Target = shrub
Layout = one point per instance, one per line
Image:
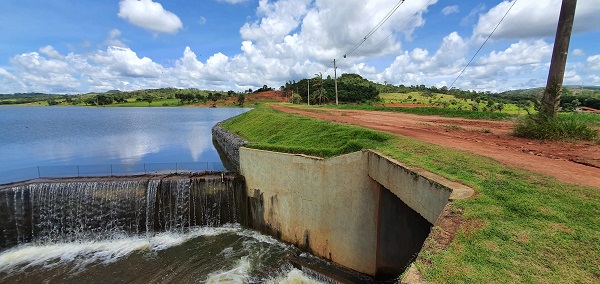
(564, 127)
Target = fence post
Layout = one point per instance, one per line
(111, 174)
(77, 170)
(176, 164)
(145, 169)
(39, 175)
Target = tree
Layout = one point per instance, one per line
(148, 99)
(52, 102)
(240, 99)
(104, 100)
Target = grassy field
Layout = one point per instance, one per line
(447, 112)
(452, 102)
(520, 227)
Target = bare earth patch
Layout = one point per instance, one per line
(577, 163)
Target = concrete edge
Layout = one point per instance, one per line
(413, 276)
(457, 190)
(289, 154)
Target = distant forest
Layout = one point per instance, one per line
(352, 88)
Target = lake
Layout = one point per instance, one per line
(64, 136)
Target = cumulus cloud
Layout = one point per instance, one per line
(448, 10)
(535, 19)
(522, 52)
(593, 62)
(150, 16)
(293, 39)
(279, 19)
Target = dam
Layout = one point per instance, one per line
(363, 212)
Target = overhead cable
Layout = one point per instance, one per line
(370, 33)
(486, 40)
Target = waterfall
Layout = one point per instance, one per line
(70, 211)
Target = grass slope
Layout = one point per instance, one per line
(519, 227)
(272, 130)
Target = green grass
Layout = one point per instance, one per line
(447, 112)
(454, 103)
(271, 130)
(568, 126)
(519, 227)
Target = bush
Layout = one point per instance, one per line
(564, 127)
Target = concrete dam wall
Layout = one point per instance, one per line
(361, 210)
(364, 211)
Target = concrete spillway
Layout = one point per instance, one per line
(93, 209)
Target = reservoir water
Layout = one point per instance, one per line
(198, 253)
(56, 136)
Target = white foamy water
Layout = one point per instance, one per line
(240, 253)
(106, 251)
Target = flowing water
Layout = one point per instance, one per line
(159, 230)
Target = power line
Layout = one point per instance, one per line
(370, 33)
(395, 30)
(399, 27)
(486, 40)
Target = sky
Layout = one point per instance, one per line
(69, 47)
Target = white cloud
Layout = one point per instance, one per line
(535, 19)
(448, 10)
(593, 62)
(113, 38)
(293, 39)
(279, 19)
(149, 15)
(578, 52)
(202, 20)
(125, 62)
(50, 52)
(522, 52)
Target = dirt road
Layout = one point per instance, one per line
(577, 163)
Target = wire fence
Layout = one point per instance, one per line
(108, 170)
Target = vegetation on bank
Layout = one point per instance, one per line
(269, 129)
(566, 126)
(519, 227)
(152, 97)
(449, 112)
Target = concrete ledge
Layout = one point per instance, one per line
(230, 144)
(425, 192)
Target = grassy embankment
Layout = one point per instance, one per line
(519, 227)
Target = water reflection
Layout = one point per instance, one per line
(34, 136)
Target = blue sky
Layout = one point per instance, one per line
(84, 46)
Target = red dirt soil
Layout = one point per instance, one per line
(577, 163)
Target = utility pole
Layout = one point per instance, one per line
(335, 80)
(556, 74)
(308, 95)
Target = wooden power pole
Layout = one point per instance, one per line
(551, 99)
(335, 80)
